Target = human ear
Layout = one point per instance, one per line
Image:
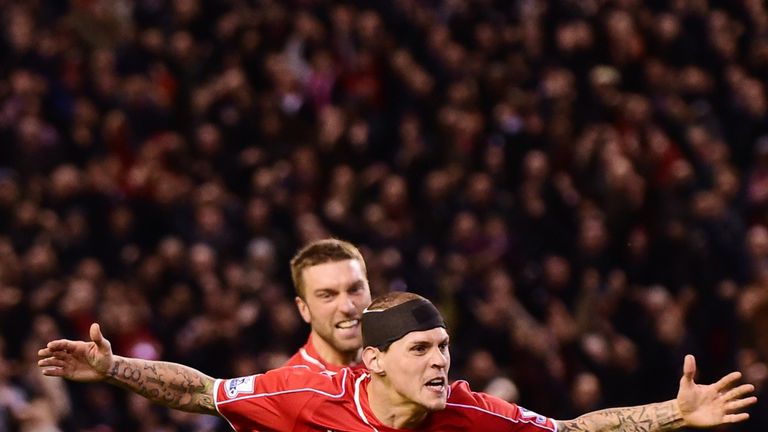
(372, 358)
(303, 310)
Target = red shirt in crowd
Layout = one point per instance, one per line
(298, 399)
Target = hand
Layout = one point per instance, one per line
(714, 404)
(77, 360)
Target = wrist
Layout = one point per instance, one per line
(112, 368)
(678, 419)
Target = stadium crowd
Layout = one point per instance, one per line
(580, 185)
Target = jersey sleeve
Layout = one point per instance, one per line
(271, 401)
(510, 417)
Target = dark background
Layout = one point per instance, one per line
(581, 186)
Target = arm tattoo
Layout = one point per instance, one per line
(658, 417)
(170, 384)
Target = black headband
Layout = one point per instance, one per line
(382, 327)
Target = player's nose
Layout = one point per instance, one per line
(346, 305)
(439, 358)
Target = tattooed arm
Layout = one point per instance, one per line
(658, 417)
(697, 405)
(170, 384)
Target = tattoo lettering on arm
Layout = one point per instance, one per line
(658, 417)
(170, 384)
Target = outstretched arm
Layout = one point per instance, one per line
(658, 417)
(697, 405)
(170, 384)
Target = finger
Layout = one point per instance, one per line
(738, 405)
(726, 381)
(735, 418)
(739, 391)
(98, 338)
(51, 361)
(62, 345)
(95, 333)
(689, 369)
(45, 352)
(61, 355)
(53, 371)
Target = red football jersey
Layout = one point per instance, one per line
(308, 356)
(298, 399)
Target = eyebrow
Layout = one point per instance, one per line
(326, 291)
(337, 287)
(426, 342)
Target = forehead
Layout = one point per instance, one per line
(433, 336)
(332, 274)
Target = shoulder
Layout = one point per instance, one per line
(288, 380)
(302, 358)
(304, 378)
(484, 409)
(306, 356)
(280, 398)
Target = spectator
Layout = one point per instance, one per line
(597, 168)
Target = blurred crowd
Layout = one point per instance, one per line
(580, 185)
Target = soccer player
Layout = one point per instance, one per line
(406, 387)
(331, 292)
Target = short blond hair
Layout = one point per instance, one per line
(321, 252)
(393, 299)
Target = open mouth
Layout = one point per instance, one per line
(436, 385)
(348, 324)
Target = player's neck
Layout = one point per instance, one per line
(330, 355)
(393, 410)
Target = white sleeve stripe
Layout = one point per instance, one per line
(533, 423)
(284, 392)
(216, 385)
